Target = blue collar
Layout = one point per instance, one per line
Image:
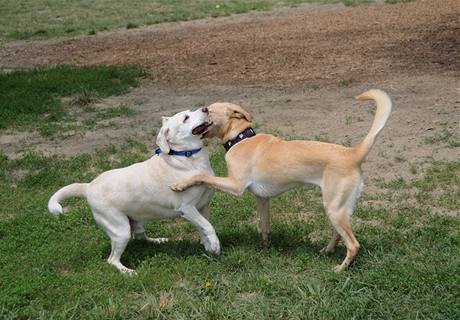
(249, 132)
(172, 152)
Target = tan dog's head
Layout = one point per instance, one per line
(227, 120)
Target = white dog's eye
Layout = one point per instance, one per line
(186, 118)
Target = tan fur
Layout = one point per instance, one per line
(268, 166)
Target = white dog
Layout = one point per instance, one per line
(123, 199)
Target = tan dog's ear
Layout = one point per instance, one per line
(239, 113)
(162, 138)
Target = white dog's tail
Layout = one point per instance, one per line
(72, 190)
(383, 102)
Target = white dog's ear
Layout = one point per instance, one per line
(162, 139)
(164, 120)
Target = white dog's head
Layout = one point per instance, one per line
(183, 130)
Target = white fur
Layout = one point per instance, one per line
(123, 199)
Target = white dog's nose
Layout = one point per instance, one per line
(205, 110)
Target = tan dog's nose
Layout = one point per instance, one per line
(205, 110)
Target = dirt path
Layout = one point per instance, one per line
(296, 70)
(329, 45)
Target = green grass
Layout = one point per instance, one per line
(55, 268)
(34, 98)
(25, 19)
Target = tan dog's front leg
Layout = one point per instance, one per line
(263, 207)
(226, 184)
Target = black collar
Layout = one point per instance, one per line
(249, 132)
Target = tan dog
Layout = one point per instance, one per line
(269, 166)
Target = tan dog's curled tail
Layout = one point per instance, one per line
(72, 190)
(384, 104)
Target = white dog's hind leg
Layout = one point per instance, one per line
(207, 232)
(205, 212)
(117, 227)
(138, 232)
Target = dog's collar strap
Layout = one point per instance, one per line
(171, 152)
(249, 132)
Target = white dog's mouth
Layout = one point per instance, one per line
(202, 128)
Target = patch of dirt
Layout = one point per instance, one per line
(296, 71)
(308, 45)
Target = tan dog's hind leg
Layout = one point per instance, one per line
(330, 248)
(341, 222)
(263, 208)
(339, 197)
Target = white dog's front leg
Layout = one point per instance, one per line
(207, 232)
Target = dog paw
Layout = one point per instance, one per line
(339, 268)
(212, 245)
(157, 240)
(263, 245)
(178, 187)
(327, 250)
(129, 272)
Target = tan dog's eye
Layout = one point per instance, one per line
(186, 118)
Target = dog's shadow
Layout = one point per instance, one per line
(283, 243)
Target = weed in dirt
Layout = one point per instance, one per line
(348, 120)
(345, 83)
(131, 25)
(48, 129)
(84, 98)
(355, 2)
(91, 120)
(55, 267)
(311, 86)
(29, 98)
(323, 137)
(113, 112)
(397, 1)
(446, 137)
(347, 142)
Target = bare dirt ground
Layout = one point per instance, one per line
(296, 70)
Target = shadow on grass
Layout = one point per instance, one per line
(246, 238)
